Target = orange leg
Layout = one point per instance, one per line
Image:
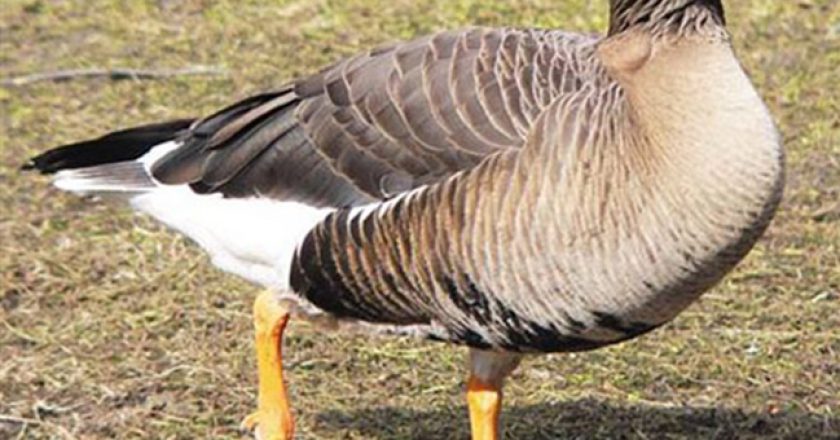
(485, 404)
(273, 419)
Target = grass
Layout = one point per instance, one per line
(111, 327)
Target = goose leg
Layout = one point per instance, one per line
(488, 371)
(273, 418)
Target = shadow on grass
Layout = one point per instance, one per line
(585, 419)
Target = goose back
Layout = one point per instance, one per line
(383, 122)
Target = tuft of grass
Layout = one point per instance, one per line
(111, 327)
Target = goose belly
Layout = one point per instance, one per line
(615, 285)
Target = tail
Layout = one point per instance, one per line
(117, 162)
(240, 234)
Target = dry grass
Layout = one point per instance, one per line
(111, 327)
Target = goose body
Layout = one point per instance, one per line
(516, 191)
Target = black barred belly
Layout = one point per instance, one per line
(514, 332)
(315, 277)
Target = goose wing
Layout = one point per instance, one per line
(380, 123)
(479, 258)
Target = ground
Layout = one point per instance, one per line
(112, 327)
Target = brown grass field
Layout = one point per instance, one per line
(112, 327)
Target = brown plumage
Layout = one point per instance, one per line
(637, 188)
(513, 190)
(544, 191)
(380, 123)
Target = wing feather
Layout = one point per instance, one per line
(382, 122)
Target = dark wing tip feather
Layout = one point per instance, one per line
(118, 146)
(214, 134)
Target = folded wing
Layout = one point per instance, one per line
(381, 123)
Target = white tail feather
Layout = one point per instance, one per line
(129, 177)
(120, 177)
(254, 238)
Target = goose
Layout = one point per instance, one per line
(515, 191)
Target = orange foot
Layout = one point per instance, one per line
(485, 402)
(273, 418)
